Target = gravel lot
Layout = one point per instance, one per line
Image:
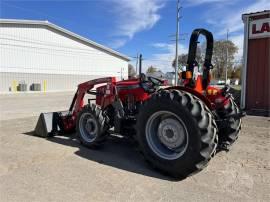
(59, 169)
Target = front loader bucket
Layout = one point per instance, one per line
(48, 124)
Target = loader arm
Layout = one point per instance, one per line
(65, 121)
(76, 103)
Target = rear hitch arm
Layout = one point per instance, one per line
(234, 116)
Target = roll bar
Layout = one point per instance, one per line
(193, 48)
(191, 62)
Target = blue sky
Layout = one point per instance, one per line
(139, 26)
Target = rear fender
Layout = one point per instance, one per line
(206, 101)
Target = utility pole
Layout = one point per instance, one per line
(176, 41)
(137, 58)
(140, 67)
(227, 55)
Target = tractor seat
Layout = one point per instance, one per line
(146, 85)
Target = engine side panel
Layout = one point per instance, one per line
(133, 87)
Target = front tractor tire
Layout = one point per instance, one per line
(91, 126)
(176, 132)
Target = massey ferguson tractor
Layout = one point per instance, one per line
(178, 129)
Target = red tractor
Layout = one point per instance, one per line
(178, 128)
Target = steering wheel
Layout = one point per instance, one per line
(155, 81)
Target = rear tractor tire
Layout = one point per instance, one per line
(91, 126)
(229, 132)
(177, 133)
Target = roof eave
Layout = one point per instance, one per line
(246, 15)
(51, 25)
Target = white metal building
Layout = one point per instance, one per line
(41, 52)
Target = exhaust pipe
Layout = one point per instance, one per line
(140, 67)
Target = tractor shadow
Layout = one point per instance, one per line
(121, 153)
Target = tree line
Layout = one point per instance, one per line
(219, 60)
